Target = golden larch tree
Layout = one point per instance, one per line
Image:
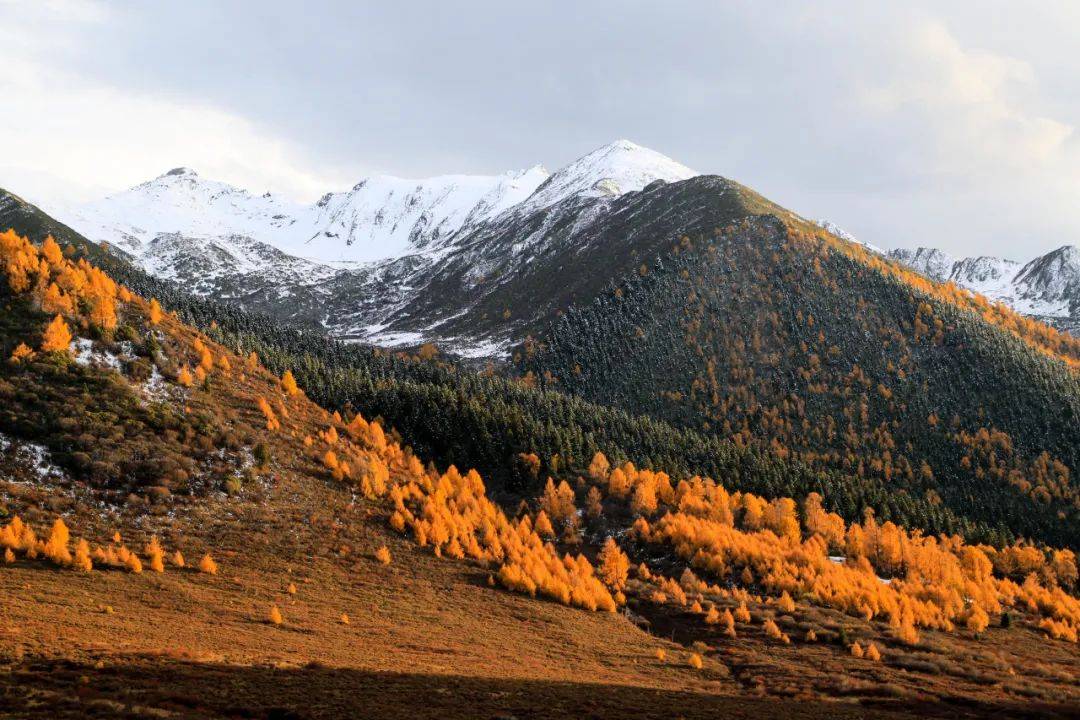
(288, 383)
(57, 337)
(614, 565)
(156, 313)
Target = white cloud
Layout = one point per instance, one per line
(67, 138)
(979, 107)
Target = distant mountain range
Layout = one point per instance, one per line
(1047, 288)
(361, 263)
(473, 263)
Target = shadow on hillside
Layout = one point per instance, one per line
(156, 686)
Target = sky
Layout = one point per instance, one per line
(946, 123)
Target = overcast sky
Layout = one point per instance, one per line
(934, 123)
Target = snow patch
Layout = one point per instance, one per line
(33, 455)
(88, 356)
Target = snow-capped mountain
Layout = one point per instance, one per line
(610, 171)
(380, 217)
(1047, 287)
(474, 263)
(357, 261)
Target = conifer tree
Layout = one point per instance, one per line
(155, 555)
(207, 565)
(57, 337)
(614, 565)
(288, 384)
(155, 314)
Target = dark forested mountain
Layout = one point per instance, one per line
(820, 351)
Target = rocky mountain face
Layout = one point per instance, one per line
(392, 261)
(473, 263)
(1046, 288)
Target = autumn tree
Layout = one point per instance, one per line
(614, 565)
(52, 253)
(594, 505)
(56, 547)
(599, 467)
(207, 565)
(57, 337)
(22, 352)
(82, 560)
(155, 555)
(542, 526)
(155, 314)
(288, 384)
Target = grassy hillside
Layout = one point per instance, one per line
(328, 571)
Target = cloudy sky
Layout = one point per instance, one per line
(942, 123)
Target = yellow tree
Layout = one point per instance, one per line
(599, 467)
(57, 337)
(22, 352)
(155, 312)
(52, 252)
(288, 384)
(614, 565)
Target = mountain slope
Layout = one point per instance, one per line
(481, 422)
(449, 259)
(813, 348)
(351, 579)
(361, 263)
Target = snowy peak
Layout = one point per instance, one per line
(1053, 277)
(384, 216)
(614, 169)
(983, 270)
(931, 262)
(380, 218)
(180, 171)
(1048, 287)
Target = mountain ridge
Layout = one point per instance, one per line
(364, 263)
(1046, 287)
